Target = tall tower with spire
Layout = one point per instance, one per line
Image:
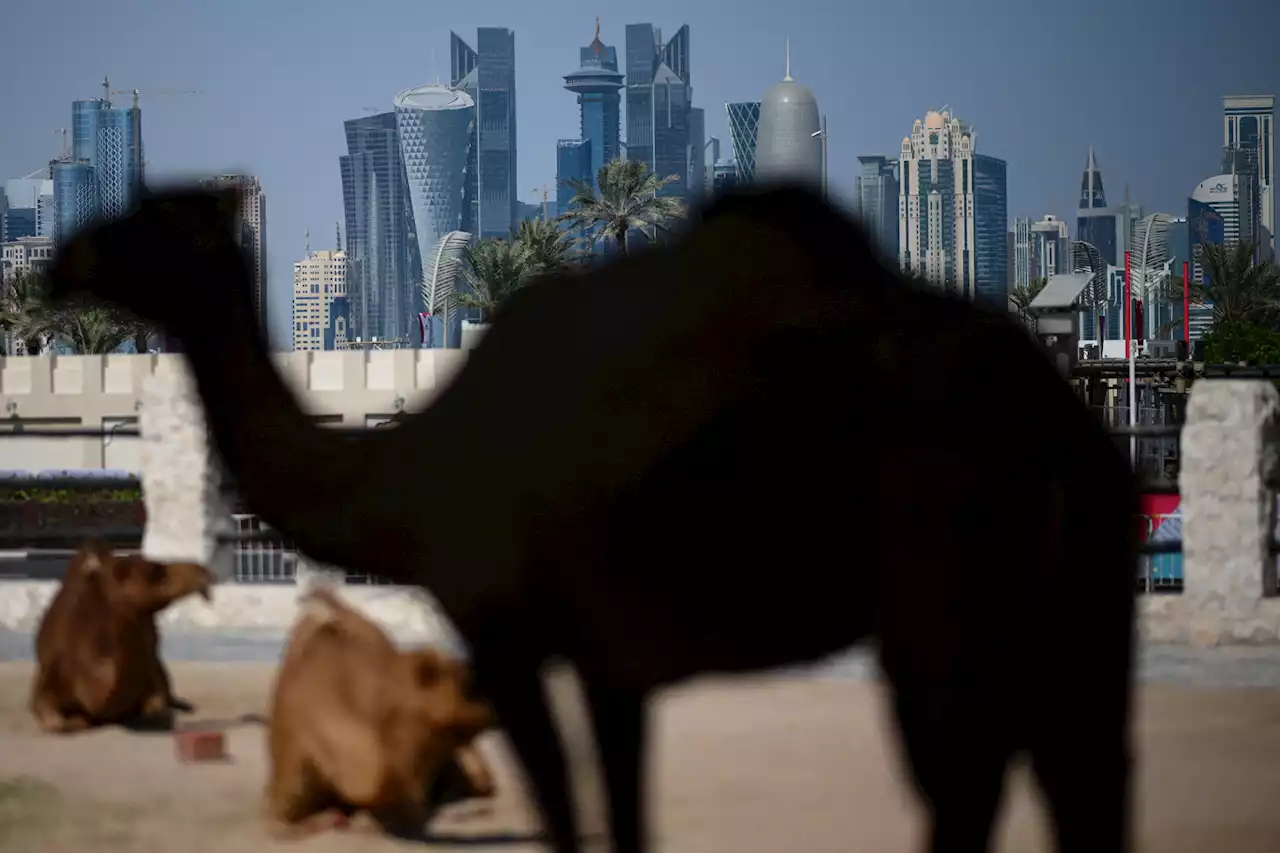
(1103, 227)
(598, 85)
(787, 149)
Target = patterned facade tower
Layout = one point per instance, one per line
(181, 481)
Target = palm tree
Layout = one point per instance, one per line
(627, 198)
(493, 269)
(91, 329)
(1241, 290)
(1022, 295)
(544, 245)
(25, 312)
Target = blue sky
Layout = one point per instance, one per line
(1141, 80)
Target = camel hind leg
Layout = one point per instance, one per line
(53, 714)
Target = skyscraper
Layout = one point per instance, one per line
(598, 84)
(990, 222)
(381, 247)
(786, 147)
(104, 173)
(876, 200)
(744, 125)
(435, 125)
(1050, 248)
(953, 227)
(1248, 123)
(1103, 227)
(573, 163)
(252, 232)
(659, 99)
(1213, 216)
(319, 301)
(488, 75)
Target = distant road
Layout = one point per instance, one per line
(23, 565)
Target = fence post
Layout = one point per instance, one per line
(1227, 478)
(180, 480)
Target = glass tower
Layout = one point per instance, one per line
(744, 123)
(876, 197)
(488, 75)
(598, 84)
(990, 227)
(106, 151)
(435, 125)
(381, 247)
(659, 98)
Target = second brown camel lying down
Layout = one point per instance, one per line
(360, 729)
(97, 647)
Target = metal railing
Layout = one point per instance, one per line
(264, 556)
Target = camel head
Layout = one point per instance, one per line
(158, 261)
(138, 585)
(437, 689)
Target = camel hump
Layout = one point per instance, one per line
(93, 556)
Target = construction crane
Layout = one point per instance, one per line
(546, 196)
(107, 92)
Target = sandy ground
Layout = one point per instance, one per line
(775, 763)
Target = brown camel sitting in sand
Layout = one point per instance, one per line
(360, 728)
(750, 447)
(98, 649)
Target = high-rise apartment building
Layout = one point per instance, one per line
(952, 227)
(1248, 124)
(320, 301)
(573, 163)
(659, 101)
(744, 126)
(382, 250)
(876, 200)
(598, 84)
(251, 231)
(487, 74)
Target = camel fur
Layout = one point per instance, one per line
(359, 727)
(98, 647)
(750, 447)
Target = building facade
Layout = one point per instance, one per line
(659, 99)
(251, 231)
(937, 225)
(1213, 216)
(104, 172)
(1248, 124)
(488, 75)
(320, 301)
(573, 163)
(381, 246)
(787, 149)
(1050, 248)
(876, 199)
(436, 125)
(990, 223)
(1108, 228)
(598, 84)
(744, 128)
(25, 255)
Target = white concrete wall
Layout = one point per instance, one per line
(353, 387)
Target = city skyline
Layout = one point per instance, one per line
(280, 118)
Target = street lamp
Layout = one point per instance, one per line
(822, 133)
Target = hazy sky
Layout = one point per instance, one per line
(1141, 80)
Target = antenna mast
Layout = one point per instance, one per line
(787, 79)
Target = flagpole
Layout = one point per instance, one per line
(1130, 353)
(1186, 306)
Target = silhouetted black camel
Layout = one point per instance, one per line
(750, 448)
